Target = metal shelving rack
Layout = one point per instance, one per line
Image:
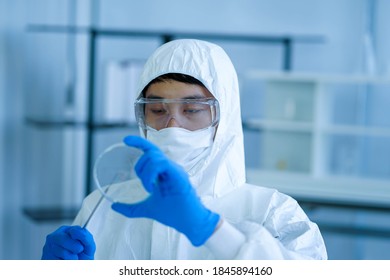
(286, 41)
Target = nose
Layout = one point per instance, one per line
(173, 123)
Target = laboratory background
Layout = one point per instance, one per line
(315, 100)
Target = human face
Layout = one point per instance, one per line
(176, 104)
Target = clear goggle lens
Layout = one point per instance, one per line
(191, 114)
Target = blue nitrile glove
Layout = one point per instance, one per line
(172, 201)
(69, 243)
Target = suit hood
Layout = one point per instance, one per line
(224, 169)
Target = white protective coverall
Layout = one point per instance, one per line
(259, 223)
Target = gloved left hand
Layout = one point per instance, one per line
(172, 201)
(69, 243)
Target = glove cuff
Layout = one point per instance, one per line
(204, 230)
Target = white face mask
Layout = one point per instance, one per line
(185, 147)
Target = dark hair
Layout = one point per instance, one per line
(183, 78)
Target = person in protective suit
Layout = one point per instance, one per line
(199, 204)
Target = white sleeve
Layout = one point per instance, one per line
(225, 234)
(281, 231)
(255, 244)
(252, 241)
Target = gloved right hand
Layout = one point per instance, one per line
(69, 243)
(172, 201)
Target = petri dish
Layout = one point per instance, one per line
(114, 175)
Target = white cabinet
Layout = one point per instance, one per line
(322, 135)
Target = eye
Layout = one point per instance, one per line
(194, 109)
(156, 109)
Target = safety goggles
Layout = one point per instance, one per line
(191, 114)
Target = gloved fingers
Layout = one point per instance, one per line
(47, 253)
(84, 237)
(140, 143)
(148, 168)
(154, 167)
(167, 185)
(83, 256)
(137, 210)
(61, 253)
(150, 158)
(62, 239)
(162, 174)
